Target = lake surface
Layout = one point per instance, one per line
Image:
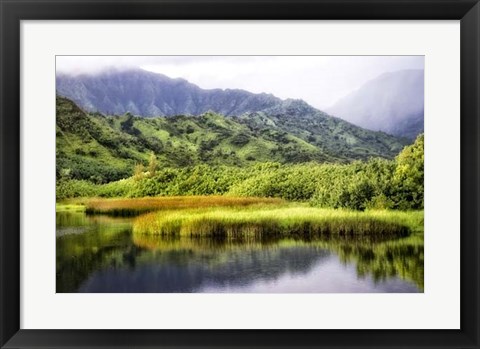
(101, 254)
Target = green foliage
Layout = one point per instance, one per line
(127, 126)
(376, 183)
(75, 188)
(138, 172)
(240, 139)
(152, 164)
(408, 179)
(359, 185)
(106, 148)
(214, 155)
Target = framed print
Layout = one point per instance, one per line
(239, 174)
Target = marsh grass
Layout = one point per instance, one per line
(288, 221)
(137, 206)
(62, 207)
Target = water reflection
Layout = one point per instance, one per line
(100, 254)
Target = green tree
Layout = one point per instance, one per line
(138, 172)
(408, 179)
(65, 173)
(152, 164)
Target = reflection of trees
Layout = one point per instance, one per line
(382, 260)
(188, 270)
(85, 244)
(68, 220)
(78, 255)
(173, 265)
(77, 222)
(177, 266)
(108, 258)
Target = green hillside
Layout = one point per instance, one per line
(106, 148)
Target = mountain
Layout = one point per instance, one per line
(340, 140)
(105, 148)
(150, 94)
(392, 102)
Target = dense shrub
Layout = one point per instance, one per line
(376, 183)
(75, 188)
(408, 180)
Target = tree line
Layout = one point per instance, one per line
(376, 183)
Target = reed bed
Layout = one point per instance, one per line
(137, 206)
(282, 222)
(59, 207)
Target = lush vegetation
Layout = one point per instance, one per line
(127, 156)
(287, 177)
(377, 183)
(101, 149)
(287, 221)
(133, 207)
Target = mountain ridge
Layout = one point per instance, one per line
(150, 94)
(105, 148)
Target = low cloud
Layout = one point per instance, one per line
(319, 80)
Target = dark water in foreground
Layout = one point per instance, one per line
(101, 254)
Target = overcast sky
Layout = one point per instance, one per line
(319, 80)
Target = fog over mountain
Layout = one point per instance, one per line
(393, 103)
(151, 94)
(318, 80)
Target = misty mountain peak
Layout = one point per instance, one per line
(393, 102)
(149, 94)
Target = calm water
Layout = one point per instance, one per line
(100, 254)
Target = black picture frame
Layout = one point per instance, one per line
(14, 11)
